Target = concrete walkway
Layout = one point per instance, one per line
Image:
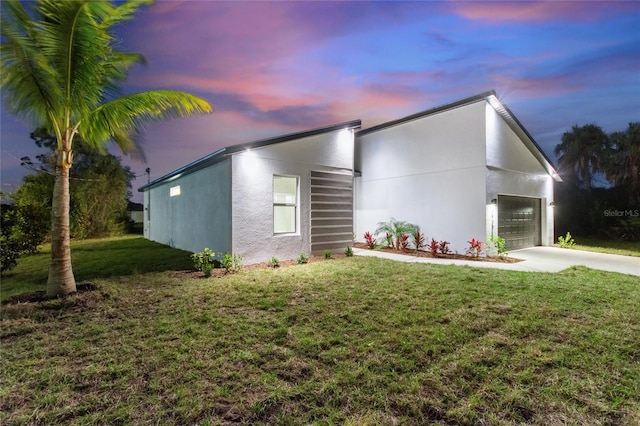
(535, 259)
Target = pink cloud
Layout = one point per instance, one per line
(535, 11)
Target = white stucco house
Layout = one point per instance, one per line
(275, 197)
(464, 170)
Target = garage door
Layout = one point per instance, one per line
(519, 221)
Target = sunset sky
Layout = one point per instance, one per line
(271, 68)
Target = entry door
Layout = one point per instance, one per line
(519, 221)
(331, 211)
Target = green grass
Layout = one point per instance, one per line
(351, 341)
(626, 248)
(96, 258)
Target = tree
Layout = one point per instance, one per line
(622, 168)
(61, 70)
(580, 153)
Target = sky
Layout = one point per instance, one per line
(272, 68)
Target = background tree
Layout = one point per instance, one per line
(61, 70)
(99, 188)
(580, 154)
(622, 167)
(587, 152)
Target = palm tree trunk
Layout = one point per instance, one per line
(61, 281)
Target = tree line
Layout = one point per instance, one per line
(600, 193)
(99, 190)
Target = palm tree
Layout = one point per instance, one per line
(61, 70)
(581, 152)
(623, 167)
(394, 230)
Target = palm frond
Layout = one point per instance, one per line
(128, 114)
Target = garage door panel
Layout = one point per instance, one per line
(519, 221)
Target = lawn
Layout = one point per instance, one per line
(351, 341)
(623, 247)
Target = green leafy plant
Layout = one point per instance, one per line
(232, 263)
(327, 254)
(204, 261)
(302, 258)
(475, 248)
(567, 241)
(370, 240)
(500, 244)
(348, 252)
(394, 229)
(273, 262)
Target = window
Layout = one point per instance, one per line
(174, 191)
(285, 204)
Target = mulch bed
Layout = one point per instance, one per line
(423, 253)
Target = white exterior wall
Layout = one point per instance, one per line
(430, 171)
(252, 188)
(513, 170)
(197, 218)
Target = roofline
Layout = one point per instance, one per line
(499, 106)
(223, 153)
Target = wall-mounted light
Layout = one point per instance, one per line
(494, 201)
(552, 204)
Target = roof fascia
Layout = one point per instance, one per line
(223, 153)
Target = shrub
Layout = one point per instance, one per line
(394, 229)
(348, 252)
(370, 240)
(567, 241)
(232, 263)
(475, 248)
(204, 261)
(403, 242)
(273, 262)
(500, 244)
(22, 229)
(418, 239)
(433, 247)
(443, 247)
(327, 254)
(388, 238)
(303, 258)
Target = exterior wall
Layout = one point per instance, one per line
(252, 188)
(430, 171)
(513, 170)
(197, 218)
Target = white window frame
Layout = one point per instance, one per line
(294, 204)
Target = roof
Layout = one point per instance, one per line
(501, 108)
(221, 154)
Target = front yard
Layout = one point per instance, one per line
(354, 341)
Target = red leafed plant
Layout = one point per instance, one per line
(403, 241)
(443, 247)
(370, 240)
(475, 247)
(418, 240)
(433, 247)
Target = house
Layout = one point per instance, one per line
(275, 197)
(463, 170)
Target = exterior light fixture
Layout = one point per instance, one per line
(494, 201)
(552, 204)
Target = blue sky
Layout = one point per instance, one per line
(271, 68)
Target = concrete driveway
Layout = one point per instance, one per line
(535, 259)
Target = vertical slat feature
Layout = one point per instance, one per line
(331, 211)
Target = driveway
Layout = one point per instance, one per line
(535, 259)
